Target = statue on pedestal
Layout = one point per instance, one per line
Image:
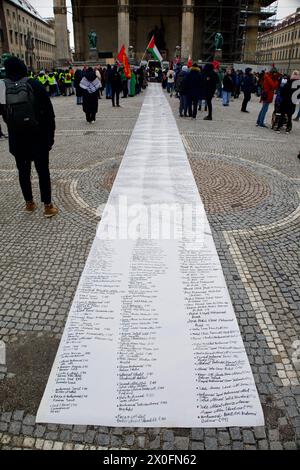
(218, 41)
(92, 39)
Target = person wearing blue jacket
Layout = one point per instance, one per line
(247, 88)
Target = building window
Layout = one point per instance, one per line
(11, 37)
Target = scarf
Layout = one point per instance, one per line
(90, 87)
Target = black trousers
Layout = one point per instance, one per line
(247, 98)
(41, 163)
(209, 105)
(193, 105)
(115, 96)
(90, 117)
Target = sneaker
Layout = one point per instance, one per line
(50, 210)
(30, 206)
(244, 111)
(207, 118)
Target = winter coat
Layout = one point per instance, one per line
(210, 81)
(41, 139)
(179, 82)
(228, 83)
(286, 93)
(248, 83)
(193, 82)
(90, 101)
(77, 79)
(114, 79)
(270, 84)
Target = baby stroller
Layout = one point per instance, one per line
(276, 116)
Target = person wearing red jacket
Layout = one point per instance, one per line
(270, 85)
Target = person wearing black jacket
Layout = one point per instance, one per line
(35, 145)
(115, 81)
(287, 106)
(227, 87)
(247, 88)
(192, 83)
(210, 80)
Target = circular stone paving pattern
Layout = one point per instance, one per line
(228, 188)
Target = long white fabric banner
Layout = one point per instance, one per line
(152, 338)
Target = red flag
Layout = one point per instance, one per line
(151, 43)
(123, 59)
(190, 62)
(216, 65)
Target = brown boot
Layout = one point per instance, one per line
(50, 210)
(30, 206)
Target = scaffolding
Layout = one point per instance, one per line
(231, 18)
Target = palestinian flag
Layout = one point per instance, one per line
(153, 49)
(123, 59)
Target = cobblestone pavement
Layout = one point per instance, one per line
(249, 179)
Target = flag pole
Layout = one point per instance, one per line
(147, 48)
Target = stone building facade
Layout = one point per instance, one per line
(281, 45)
(25, 34)
(188, 25)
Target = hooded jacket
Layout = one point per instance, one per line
(42, 140)
(192, 83)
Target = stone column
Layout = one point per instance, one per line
(187, 32)
(78, 33)
(123, 24)
(61, 32)
(252, 33)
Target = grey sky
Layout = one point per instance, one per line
(45, 8)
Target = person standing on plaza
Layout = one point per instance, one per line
(210, 80)
(170, 81)
(116, 86)
(228, 87)
(107, 82)
(247, 86)
(78, 75)
(269, 86)
(90, 86)
(287, 107)
(182, 90)
(30, 119)
(192, 84)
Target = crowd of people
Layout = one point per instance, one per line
(27, 109)
(197, 84)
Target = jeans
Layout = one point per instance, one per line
(108, 90)
(79, 99)
(247, 98)
(262, 115)
(41, 163)
(226, 97)
(183, 106)
(170, 88)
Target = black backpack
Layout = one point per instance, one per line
(20, 105)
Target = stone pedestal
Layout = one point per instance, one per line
(93, 55)
(187, 33)
(218, 55)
